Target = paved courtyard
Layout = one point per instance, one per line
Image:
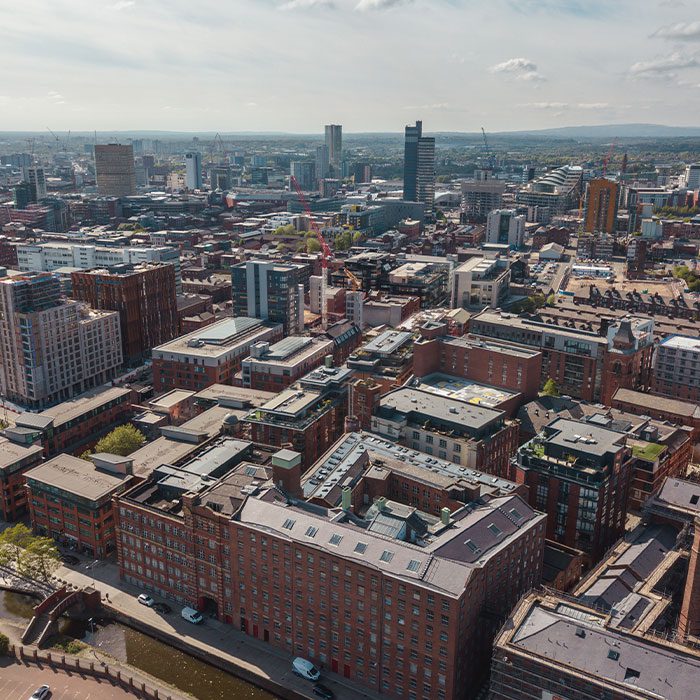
(18, 682)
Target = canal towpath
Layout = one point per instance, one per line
(215, 642)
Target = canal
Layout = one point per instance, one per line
(159, 660)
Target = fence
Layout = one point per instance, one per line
(97, 670)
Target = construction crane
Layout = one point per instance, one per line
(325, 250)
(491, 160)
(607, 158)
(355, 281)
(58, 141)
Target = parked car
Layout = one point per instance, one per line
(305, 669)
(69, 559)
(162, 608)
(146, 600)
(192, 615)
(323, 691)
(41, 693)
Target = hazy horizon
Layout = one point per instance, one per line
(290, 66)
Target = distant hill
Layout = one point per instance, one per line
(606, 131)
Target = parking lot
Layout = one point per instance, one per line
(18, 682)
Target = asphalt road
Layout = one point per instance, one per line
(18, 682)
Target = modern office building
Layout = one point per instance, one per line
(322, 162)
(600, 216)
(52, 348)
(144, 295)
(15, 460)
(115, 170)
(579, 474)
(481, 282)
(334, 144)
(505, 227)
(23, 195)
(47, 257)
(419, 167)
(210, 355)
(362, 173)
(692, 176)
(479, 197)
(36, 178)
(270, 291)
(554, 192)
(193, 170)
(304, 172)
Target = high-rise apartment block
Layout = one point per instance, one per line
(419, 167)
(52, 348)
(601, 206)
(676, 371)
(36, 178)
(269, 291)
(322, 162)
(115, 170)
(304, 172)
(193, 171)
(334, 143)
(143, 295)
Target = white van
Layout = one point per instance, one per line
(192, 615)
(305, 669)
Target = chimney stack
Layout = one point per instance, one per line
(689, 621)
(445, 516)
(346, 499)
(286, 472)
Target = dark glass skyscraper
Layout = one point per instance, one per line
(419, 167)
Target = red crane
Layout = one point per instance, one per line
(606, 160)
(325, 249)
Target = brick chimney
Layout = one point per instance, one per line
(689, 621)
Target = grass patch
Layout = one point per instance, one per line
(68, 645)
(649, 451)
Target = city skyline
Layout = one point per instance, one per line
(111, 71)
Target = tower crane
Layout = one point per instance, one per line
(325, 250)
(606, 160)
(491, 159)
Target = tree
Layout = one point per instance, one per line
(121, 441)
(13, 542)
(550, 388)
(286, 230)
(40, 559)
(343, 241)
(312, 245)
(4, 645)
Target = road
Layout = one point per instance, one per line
(18, 682)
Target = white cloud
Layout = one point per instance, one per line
(593, 105)
(520, 69)
(546, 105)
(664, 65)
(686, 31)
(123, 5)
(307, 4)
(365, 5)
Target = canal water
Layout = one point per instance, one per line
(157, 659)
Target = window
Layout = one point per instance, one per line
(413, 565)
(335, 540)
(311, 531)
(386, 556)
(495, 530)
(360, 547)
(288, 524)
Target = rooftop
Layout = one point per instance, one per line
(11, 453)
(387, 343)
(77, 476)
(681, 342)
(661, 403)
(464, 390)
(585, 437)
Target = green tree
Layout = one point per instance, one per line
(356, 238)
(343, 241)
(121, 441)
(13, 542)
(550, 388)
(286, 230)
(40, 559)
(312, 245)
(4, 645)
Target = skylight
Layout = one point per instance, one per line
(386, 556)
(413, 565)
(311, 531)
(360, 547)
(288, 524)
(335, 539)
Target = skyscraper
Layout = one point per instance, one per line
(114, 169)
(193, 171)
(419, 167)
(334, 143)
(322, 162)
(601, 206)
(304, 172)
(34, 175)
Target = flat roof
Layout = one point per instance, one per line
(292, 402)
(441, 407)
(584, 436)
(223, 393)
(661, 403)
(680, 493)
(387, 342)
(463, 390)
(471, 341)
(681, 342)
(11, 452)
(77, 476)
(172, 398)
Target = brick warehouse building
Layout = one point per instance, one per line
(210, 355)
(15, 460)
(143, 295)
(584, 364)
(404, 603)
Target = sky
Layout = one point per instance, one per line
(371, 65)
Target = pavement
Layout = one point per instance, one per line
(213, 638)
(18, 681)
